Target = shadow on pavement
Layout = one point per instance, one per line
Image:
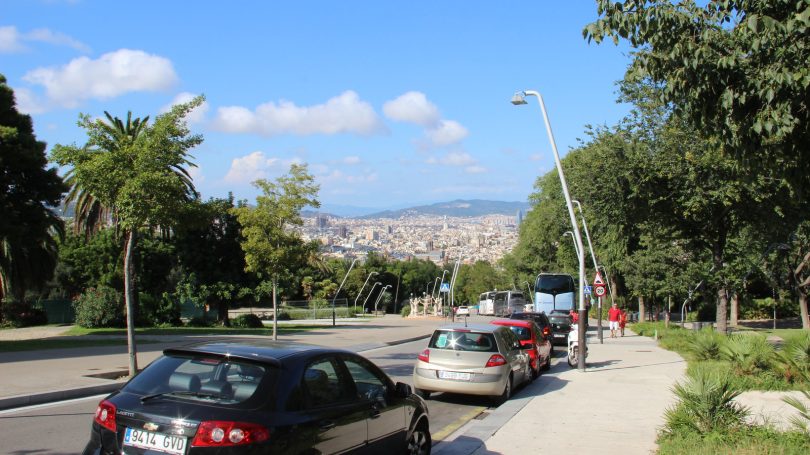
(597, 369)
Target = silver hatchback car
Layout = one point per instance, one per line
(479, 359)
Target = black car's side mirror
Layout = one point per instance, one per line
(403, 390)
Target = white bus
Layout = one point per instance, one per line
(501, 303)
(554, 292)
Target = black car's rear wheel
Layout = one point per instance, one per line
(419, 443)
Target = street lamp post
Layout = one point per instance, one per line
(361, 290)
(518, 99)
(339, 288)
(369, 295)
(531, 293)
(595, 268)
(379, 296)
(433, 291)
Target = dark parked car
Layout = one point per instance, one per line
(261, 397)
(541, 320)
(560, 326)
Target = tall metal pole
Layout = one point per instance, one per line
(339, 288)
(379, 296)
(595, 268)
(575, 227)
(574, 241)
(369, 294)
(361, 290)
(531, 294)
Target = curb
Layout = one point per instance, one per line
(20, 401)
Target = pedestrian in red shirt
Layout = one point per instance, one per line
(613, 319)
(622, 321)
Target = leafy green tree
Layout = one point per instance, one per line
(736, 69)
(208, 246)
(137, 179)
(29, 228)
(265, 226)
(89, 262)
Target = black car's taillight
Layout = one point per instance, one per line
(105, 415)
(222, 433)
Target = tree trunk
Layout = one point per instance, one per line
(666, 313)
(735, 309)
(222, 313)
(129, 297)
(275, 313)
(722, 310)
(803, 310)
(642, 310)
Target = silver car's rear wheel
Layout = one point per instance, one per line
(507, 392)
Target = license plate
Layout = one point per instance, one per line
(454, 375)
(155, 441)
(559, 335)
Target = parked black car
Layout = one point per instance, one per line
(541, 320)
(260, 397)
(560, 326)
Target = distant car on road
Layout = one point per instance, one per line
(560, 326)
(260, 397)
(462, 311)
(479, 359)
(533, 340)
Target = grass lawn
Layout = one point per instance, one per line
(74, 338)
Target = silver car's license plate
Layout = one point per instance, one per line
(458, 376)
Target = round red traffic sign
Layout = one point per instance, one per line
(599, 291)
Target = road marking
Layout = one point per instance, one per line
(449, 429)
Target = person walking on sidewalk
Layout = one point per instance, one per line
(622, 320)
(613, 319)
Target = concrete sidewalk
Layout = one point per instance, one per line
(34, 377)
(615, 407)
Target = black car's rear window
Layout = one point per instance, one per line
(522, 333)
(209, 379)
(463, 341)
(560, 319)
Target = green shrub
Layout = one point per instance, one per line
(763, 308)
(283, 316)
(706, 344)
(199, 321)
(22, 314)
(706, 404)
(749, 354)
(406, 311)
(247, 320)
(99, 307)
(743, 441)
(158, 310)
(793, 360)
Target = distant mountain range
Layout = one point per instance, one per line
(457, 208)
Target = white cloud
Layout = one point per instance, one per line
(476, 169)
(196, 174)
(412, 107)
(10, 40)
(351, 160)
(28, 102)
(446, 133)
(535, 157)
(345, 113)
(249, 168)
(336, 176)
(111, 75)
(60, 39)
(196, 115)
(457, 159)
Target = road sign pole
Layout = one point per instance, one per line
(599, 321)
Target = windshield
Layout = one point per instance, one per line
(211, 379)
(554, 284)
(463, 341)
(522, 333)
(560, 319)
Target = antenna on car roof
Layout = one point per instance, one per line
(465, 320)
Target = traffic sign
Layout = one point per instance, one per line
(587, 289)
(445, 287)
(597, 281)
(600, 291)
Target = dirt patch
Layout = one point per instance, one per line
(33, 333)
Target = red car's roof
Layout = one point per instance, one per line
(513, 322)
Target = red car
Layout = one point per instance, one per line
(533, 339)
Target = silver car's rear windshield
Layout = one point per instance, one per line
(463, 341)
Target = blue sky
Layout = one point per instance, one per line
(390, 103)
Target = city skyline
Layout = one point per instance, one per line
(390, 104)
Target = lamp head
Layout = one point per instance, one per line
(519, 98)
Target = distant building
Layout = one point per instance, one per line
(372, 234)
(519, 217)
(321, 221)
(343, 231)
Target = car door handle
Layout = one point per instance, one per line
(327, 425)
(375, 412)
